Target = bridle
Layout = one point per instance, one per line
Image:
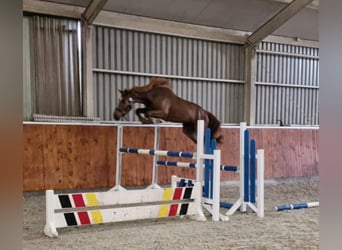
(127, 108)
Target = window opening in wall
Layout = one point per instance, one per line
(53, 82)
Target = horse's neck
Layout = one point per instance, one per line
(138, 97)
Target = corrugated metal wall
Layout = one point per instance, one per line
(205, 72)
(208, 73)
(287, 84)
(28, 88)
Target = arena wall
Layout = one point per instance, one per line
(84, 156)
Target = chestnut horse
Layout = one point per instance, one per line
(161, 103)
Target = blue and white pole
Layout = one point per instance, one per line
(296, 206)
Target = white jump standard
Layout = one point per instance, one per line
(77, 209)
(251, 180)
(119, 204)
(251, 164)
(200, 155)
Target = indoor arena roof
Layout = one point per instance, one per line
(242, 15)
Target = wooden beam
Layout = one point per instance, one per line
(92, 10)
(313, 5)
(250, 89)
(276, 21)
(159, 26)
(49, 8)
(292, 41)
(144, 24)
(87, 62)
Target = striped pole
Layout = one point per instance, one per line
(296, 206)
(177, 164)
(158, 152)
(225, 205)
(182, 164)
(229, 168)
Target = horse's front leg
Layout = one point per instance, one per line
(158, 114)
(145, 119)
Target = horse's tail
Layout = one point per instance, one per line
(214, 125)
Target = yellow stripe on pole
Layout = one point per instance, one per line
(167, 195)
(164, 209)
(91, 199)
(96, 216)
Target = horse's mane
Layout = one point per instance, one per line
(155, 82)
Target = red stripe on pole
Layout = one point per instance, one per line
(84, 218)
(177, 194)
(173, 210)
(78, 200)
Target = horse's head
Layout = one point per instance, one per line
(125, 105)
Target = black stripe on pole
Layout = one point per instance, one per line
(64, 200)
(184, 209)
(187, 193)
(70, 219)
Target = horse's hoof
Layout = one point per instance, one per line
(146, 121)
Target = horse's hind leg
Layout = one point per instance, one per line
(159, 114)
(190, 131)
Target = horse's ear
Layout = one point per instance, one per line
(121, 91)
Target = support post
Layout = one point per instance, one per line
(174, 180)
(246, 167)
(216, 187)
(243, 127)
(260, 182)
(208, 165)
(50, 227)
(250, 89)
(213, 182)
(252, 170)
(200, 150)
(155, 159)
(87, 63)
(118, 186)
